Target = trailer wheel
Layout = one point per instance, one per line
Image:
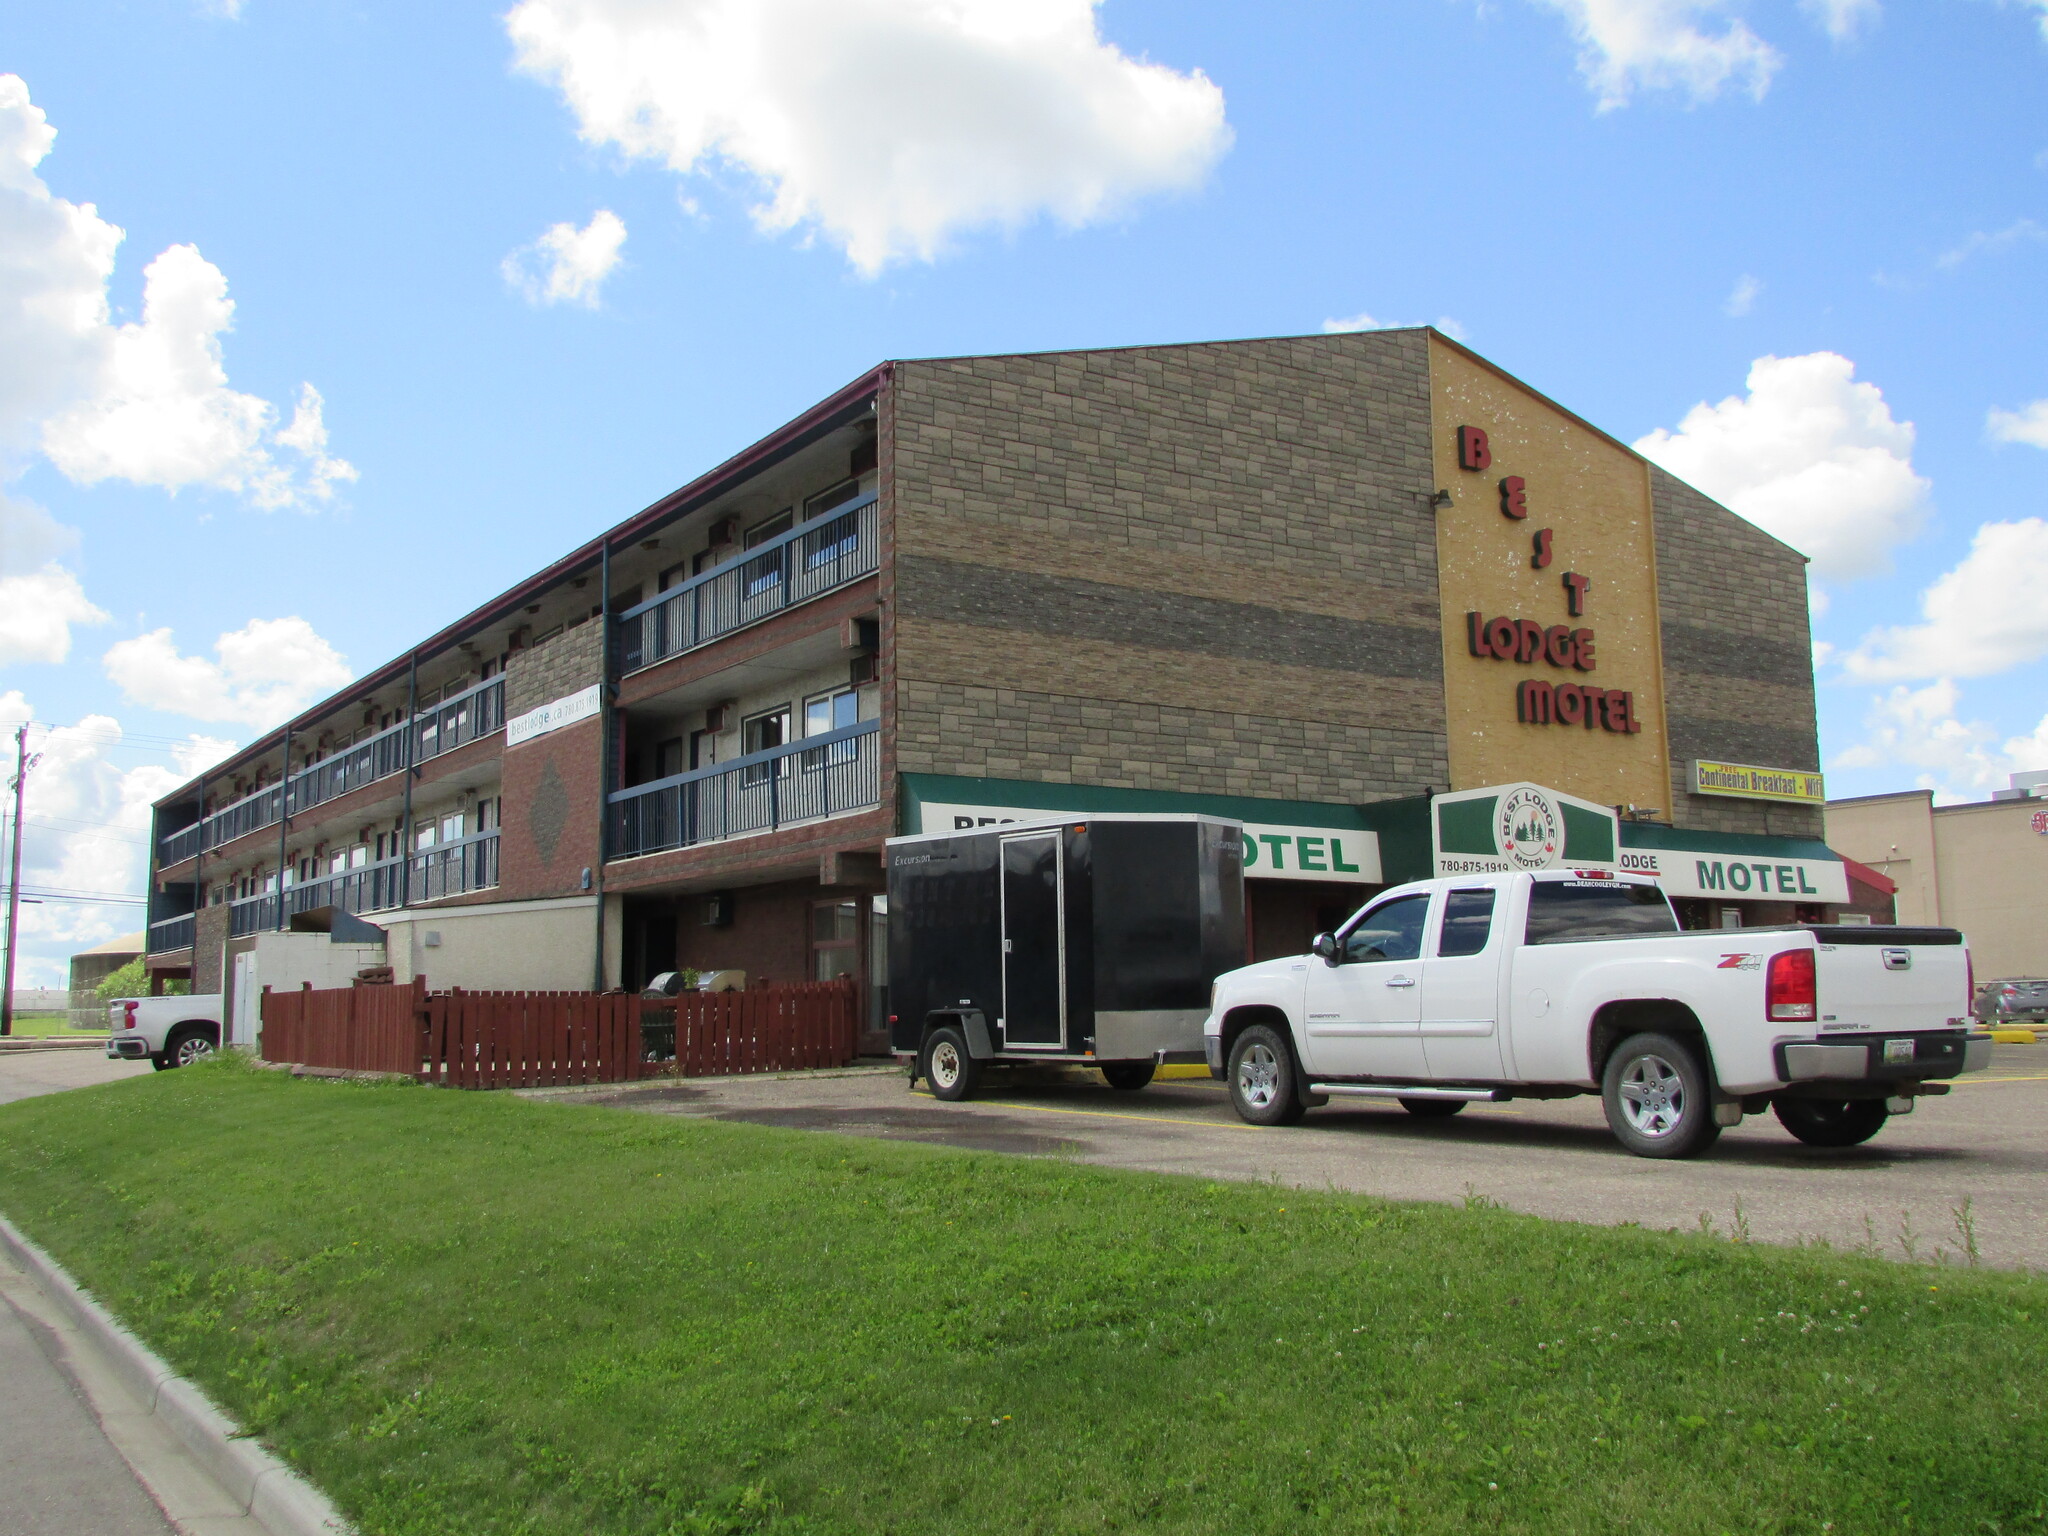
(953, 1073)
(1657, 1097)
(1128, 1075)
(1832, 1122)
(1262, 1088)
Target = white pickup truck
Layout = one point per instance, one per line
(1504, 986)
(169, 1031)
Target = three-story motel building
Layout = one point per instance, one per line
(1367, 593)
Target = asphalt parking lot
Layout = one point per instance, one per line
(1970, 1169)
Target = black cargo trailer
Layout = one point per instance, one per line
(1089, 939)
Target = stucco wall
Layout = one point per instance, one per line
(511, 946)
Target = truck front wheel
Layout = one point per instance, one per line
(1832, 1122)
(1657, 1097)
(953, 1073)
(1130, 1076)
(1262, 1086)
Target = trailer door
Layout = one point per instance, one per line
(1034, 943)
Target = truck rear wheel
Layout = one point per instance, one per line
(953, 1073)
(1128, 1075)
(1262, 1086)
(1658, 1100)
(1832, 1122)
(186, 1046)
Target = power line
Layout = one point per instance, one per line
(57, 893)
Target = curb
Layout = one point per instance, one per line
(12, 1043)
(263, 1485)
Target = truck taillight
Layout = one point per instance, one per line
(1790, 993)
(128, 1015)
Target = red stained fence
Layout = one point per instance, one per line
(557, 1039)
(531, 1039)
(770, 1029)
(359, 1029)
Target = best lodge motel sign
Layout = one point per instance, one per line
(1566, 647)
(1342, 854)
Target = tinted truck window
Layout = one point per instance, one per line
(1563, 910)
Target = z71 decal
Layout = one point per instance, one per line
(1740, 963)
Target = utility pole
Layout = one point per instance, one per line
(22, 763)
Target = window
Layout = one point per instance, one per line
(451, 826)
(770, 528)
(839, 537)
(1563, 911)
(1389, 932)
(835, 940)
(1468, 923)
(826, 500)
(826, 712)
(762, 733)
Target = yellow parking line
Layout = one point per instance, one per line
(2043, 1078)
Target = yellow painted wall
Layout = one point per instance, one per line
(1595, 497)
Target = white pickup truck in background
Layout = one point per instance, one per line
(1493, 987)
(169, 1031)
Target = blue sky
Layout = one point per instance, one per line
(1626, 202)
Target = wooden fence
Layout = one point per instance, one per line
(557, 1039)
(531, 1039)
(769, 1029)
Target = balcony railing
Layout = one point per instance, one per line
(167, 934)
(474, 713)
(808, 561)
(808, 780)
(453, 868)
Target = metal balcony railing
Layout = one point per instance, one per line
(808, 780)
(476, 712)
(453, 868)
(167, 934)
(810, 560)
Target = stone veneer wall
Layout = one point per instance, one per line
(1208, 568)
(1738, 658)
(554, 669)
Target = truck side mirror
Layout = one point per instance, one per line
(1325, 947)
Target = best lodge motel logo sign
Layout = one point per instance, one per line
(1348, 856)
(1564, 647)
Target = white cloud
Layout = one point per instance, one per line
(162, 414)
(1809, 455)
(269, 670)
(86, 829)
(39, 599)
(1841, 19)
(1743, 299)
(1365, 322)
(147, 402)
(1997, 243)
(1984, 616)
(2028, 424)
(567, 265)
(1919, 728)
(888, 126)
(1630, 45)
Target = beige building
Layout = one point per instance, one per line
(1980, 867)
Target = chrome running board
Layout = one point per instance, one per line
(1399, 1091)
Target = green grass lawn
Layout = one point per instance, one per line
(42, 1024)
(470, 1313)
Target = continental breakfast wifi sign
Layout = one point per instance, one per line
(1513, 827)
(1749, 783)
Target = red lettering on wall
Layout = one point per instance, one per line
(1535, 701)
(1582, 649)
(1474, 452)
(1575, 589)
(1542, 542)
(1529, 640)
(1571, 704)
(1558, 649)
(1514, 497)
(1501, 636)
(1475, 634)
(1609, 709)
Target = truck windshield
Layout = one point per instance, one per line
(1561, 911)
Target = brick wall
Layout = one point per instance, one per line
(554, 669)
(550, 808)
(1738, 658)
(1207, 568)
